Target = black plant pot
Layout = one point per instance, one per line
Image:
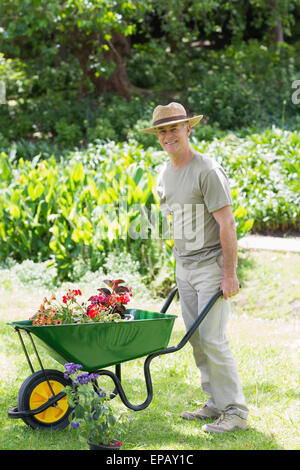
(113, 446)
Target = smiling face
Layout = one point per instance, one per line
(174, 138)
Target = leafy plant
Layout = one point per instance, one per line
(100, 200)
(111, 302)
(106, 306)
(93, 417)
(67, 133)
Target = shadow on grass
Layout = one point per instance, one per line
(169, 431)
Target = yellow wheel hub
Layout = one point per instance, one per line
(40, 395)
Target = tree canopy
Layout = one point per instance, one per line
(101, 35)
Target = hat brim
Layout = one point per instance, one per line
(153, 130)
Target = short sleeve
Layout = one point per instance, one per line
(216, 190)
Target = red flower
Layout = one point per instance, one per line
(71, 294)
(125, 298)
(112, 299)
(93, 311)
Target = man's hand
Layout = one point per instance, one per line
(230, 287)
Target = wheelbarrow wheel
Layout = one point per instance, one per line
(35, 391)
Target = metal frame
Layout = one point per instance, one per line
(116, 377)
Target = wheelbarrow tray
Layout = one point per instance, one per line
(98, 345)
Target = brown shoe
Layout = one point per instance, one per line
(226, 423)
(203, 413)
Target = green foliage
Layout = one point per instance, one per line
(60, 126)
(240, 86)
(146, 140)
(236, 92)
(89, 204)
(219, 58)
(68, 210)
(103, 130)
(93, 417)
(95, 33)
(264, 170)
(67, 133)
(217, 20)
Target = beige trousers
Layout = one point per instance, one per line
(219, 376)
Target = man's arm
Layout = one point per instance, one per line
(225, 219)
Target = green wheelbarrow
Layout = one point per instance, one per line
(42, 402)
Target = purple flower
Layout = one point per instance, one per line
(74, 425)
(83, 378)
(101, 393)
(71, 368)
(94, 376)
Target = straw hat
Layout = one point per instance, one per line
(169, 114)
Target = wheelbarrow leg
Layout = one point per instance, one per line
(36, 354)
(122, 394)
(115, 392)
(169, 350)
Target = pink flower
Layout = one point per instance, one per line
(101, 297)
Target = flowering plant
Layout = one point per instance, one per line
(93, 417)
(110, 302)
(106, 306)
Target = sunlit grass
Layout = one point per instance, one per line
(264, 337)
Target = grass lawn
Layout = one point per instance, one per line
(264, 337)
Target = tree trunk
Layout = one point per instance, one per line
(276, 31)
(117, 54)
(119, 51)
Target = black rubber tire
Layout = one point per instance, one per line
(25, 393)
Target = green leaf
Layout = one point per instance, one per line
(14, 211)
(79, 411)
(112, 420)
(78, 172)
(35, 191)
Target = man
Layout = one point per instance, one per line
(194, 189)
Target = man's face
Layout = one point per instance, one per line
(174, 138)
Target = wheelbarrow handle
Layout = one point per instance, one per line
(172, 295)
(174, 292)
(169, 300)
